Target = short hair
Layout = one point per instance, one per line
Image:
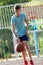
(17, 7)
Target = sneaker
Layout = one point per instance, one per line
(31, 62)
(25, 62)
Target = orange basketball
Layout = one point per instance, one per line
(20, 48)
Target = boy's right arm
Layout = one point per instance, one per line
(13, 24)
(13, 29)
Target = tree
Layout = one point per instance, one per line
(8, 2)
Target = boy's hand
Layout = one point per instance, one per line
(18, 40)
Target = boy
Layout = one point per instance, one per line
(21, 32)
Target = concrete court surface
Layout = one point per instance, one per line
(19, 61)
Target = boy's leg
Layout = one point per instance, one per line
(28, 49)
(23, 54)
(29, 53)
(24, 57)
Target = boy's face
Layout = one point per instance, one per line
(18, 11)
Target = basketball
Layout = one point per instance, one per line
(20, 48)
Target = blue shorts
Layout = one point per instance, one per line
(23, 38)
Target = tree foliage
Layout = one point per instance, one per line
(8, 2)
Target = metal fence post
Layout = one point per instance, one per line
(35, 38)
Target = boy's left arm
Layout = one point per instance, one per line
(26, 21)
